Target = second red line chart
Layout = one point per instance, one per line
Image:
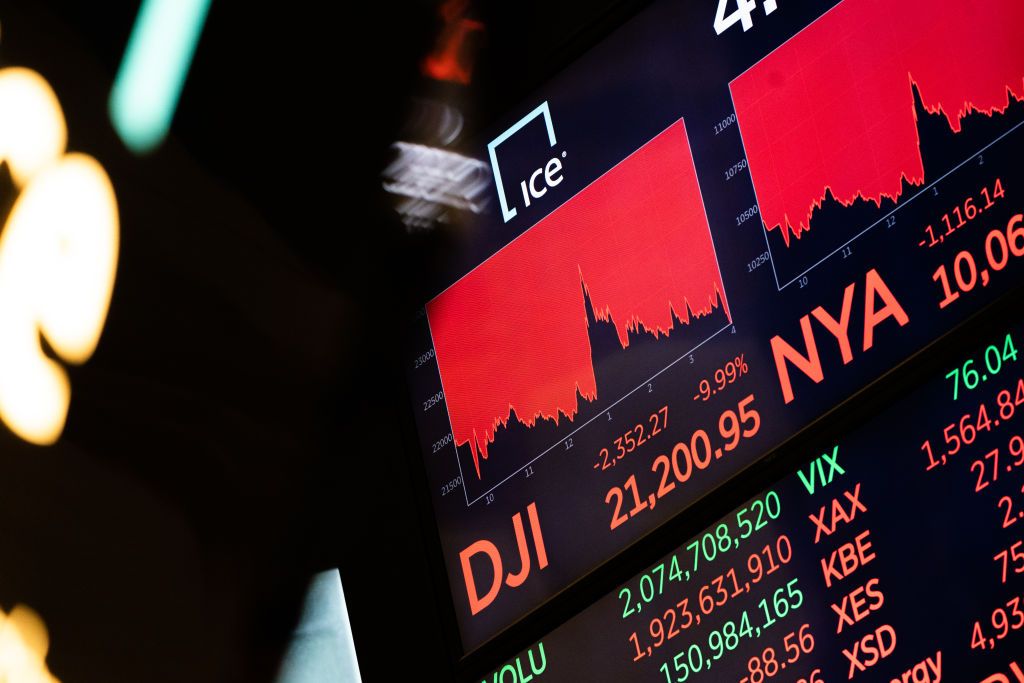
(868, 106)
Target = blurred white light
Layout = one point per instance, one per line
(429, 181)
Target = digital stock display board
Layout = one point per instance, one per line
(717, 225)
(893, 555)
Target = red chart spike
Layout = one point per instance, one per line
(512, 334)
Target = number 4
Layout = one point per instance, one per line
(742, 14)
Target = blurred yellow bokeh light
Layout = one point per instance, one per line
(58, 257)
(23, 647)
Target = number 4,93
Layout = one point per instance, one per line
(743, 14)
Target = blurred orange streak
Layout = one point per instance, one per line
(449, 61)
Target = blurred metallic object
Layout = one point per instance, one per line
(433, 123)
(430, 182)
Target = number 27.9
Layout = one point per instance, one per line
(742, 14)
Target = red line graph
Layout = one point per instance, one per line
(511, 336)
(831, 111)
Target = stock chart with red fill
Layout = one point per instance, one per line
(511, 336)
(831, 112)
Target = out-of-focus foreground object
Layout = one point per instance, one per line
(153, 71)
(58, 257)
(23, 646)
(322, 649)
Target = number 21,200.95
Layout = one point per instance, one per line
(687, 457)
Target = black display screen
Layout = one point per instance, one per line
(707, 232)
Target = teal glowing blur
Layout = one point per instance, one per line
(153, 70)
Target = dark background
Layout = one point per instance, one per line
(219, 445)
